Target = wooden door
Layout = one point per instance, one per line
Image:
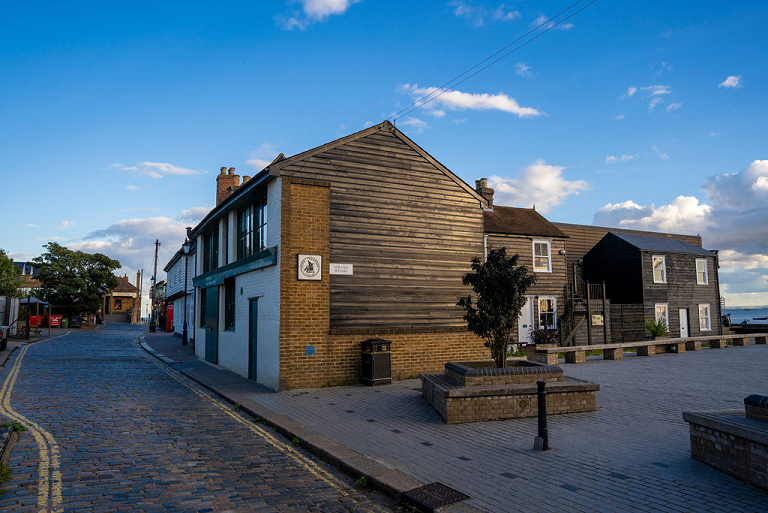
(684, 333)
(525, 322)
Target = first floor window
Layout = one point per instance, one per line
(701, 271)
(547, 312)
(659, 269)
(704, 324)
(662, 313)
(229, 304)
(541, 256)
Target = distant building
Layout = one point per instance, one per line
(28, 272)
(123, 303)
(180, 295)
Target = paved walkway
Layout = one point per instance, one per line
(631, 454)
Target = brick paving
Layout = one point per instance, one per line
(134, 438)
(633, 453)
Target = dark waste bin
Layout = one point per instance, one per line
(377, 362)
(65, 322)
(75, 322)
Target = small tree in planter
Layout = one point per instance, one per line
(499, 285)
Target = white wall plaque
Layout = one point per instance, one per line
(310, 267)
(341, 269)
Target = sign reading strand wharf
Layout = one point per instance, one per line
(310, 267)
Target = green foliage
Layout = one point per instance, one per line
(5, 474)
(362, 482)
(9, 276)
(656, 328)
(238, 406)
(74, 280)
(499, 285)
(16, 425)
(296, 441)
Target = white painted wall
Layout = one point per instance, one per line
(263, 284)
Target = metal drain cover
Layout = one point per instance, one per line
(432, 496)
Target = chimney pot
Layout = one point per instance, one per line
(223, 170)
(481, 186)
(246, 178)
(231, 171)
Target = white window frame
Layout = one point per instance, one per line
(548, 242)
(666, 312)
(705, 322)
(706, 272)
(663, 268)
(554, 311)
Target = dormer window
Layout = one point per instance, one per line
(542, 258)
(659, 269)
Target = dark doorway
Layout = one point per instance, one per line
(253, 323)
(212, 324)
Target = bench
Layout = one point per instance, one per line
(577, 354)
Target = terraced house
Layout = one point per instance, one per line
(364, 237)
(368, 237)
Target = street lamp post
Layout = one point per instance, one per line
(185, 250)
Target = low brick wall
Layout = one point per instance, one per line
(516, 372)
(731, 443)
(457, 403)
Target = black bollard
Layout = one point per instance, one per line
(542, 441)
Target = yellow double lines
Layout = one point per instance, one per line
(49, 480)
(299, 458)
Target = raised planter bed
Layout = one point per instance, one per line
(477, 391)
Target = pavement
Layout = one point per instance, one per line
(633, 453)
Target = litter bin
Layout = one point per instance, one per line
(65, 322)
(377, 362)
(75, 322)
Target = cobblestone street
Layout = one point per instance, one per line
(112, 429)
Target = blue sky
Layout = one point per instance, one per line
(116, 118)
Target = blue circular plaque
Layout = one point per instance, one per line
(310, 350)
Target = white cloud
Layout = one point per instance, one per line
(132, 241)
(713, 134)
(478, 15)
(262, 156)
(132, 187)
(673, 106)
(538, 184)
(66, 224)
(553, 24)
(619, 117)
(417, 125)
(523, 70)
(733, 81)
(661, 154)
(457, 101)
(30, 225)
(314, 11)
(656, 90)
(654, 101)
(630, 92)
(665, 66)
(735, 221)
(157, 169)
(612, 159)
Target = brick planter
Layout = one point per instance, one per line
(468, 392)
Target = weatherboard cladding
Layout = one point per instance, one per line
(407, 224)
(644, 243)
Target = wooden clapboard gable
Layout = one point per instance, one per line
(407, 225)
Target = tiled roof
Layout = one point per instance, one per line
(124, 285)
(662, 245)
(520, 221)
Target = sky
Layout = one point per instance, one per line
(115, 118)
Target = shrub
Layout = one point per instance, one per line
(656, 327)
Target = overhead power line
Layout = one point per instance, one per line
(448, 86)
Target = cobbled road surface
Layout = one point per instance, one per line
(112, 429)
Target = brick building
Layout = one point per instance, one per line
(123, 303)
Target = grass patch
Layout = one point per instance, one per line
(296, 441)
(5, 475)
(16, 425)
(362, 482)
(238, 406)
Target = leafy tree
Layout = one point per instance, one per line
(74, 280)
(9, 276)
(499, 285)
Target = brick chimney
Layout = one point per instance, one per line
(226, 183)
(481, 186)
